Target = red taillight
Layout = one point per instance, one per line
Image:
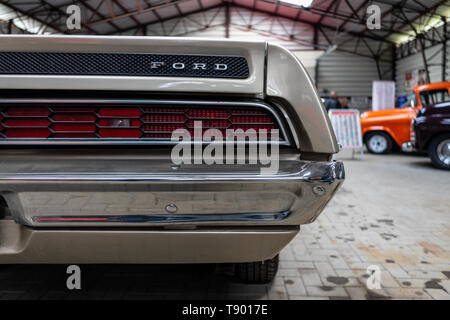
(251, 119)
(164, 110)
(119, 133)
(209, 124)
(155, 128)
(74, 117)
(27, 133)
(73, 127)
(27, 122)
(74, 109)
(27, 112)
(119, 123)
(257, 127)
(164, 118)
(119, 112)
(208, 114)
(73, 135)
(128, 122)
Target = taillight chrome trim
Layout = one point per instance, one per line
(286, 135)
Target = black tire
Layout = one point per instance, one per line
(257, 272)
(379, 142)
(434, 153)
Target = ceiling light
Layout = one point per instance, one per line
(302, 3)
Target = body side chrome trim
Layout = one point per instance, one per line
(168, 218)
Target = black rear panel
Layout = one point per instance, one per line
(123, 64)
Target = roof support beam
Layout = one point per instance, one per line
(410, 22)
(138, 24)
(420, 37)
(64, 14)
(56, 13)
(373, 37)
(22, 12)
(405, 5)
(138, 11)
(327, 9)
(87, 5)
(355, 12)
(227, 19)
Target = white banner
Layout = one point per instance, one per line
(383, 95)
(347, 127)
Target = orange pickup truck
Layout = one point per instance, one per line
(383, 130)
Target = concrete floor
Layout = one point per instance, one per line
(393, 212)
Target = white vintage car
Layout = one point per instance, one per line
(88, 173)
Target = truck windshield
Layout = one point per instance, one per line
(433, 97)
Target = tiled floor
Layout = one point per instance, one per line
(392, 212)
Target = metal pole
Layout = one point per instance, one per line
(227, 19)
(10, 24)
(316, 66)
(424, 58)
(394, 62)
(377, 62)
(444, 51)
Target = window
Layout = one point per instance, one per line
(434, 97)
(412, 100)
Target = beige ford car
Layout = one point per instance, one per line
(87, 173)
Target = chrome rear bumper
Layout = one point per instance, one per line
(85, 208)
(99, 192)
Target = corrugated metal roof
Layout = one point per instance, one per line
(12, 21)
(399, 18)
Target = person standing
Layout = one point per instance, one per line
(332, 102)
(344, 102)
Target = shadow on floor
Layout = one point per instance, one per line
(124, 282)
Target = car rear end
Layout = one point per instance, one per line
(87, 172)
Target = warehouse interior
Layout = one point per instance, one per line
(393, 210)
(331, 37)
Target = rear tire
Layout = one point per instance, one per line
(439, 151)
(257, 272)
(379, 142)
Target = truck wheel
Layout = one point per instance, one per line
(379, 143)
(257, 272)
(439, 151)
